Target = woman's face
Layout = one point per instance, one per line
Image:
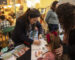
(34, 20)
(57, 5)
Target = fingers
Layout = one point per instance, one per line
(59, 51)
(1, 53)
(40, 36)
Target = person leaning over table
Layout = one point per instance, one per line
(22, 30)
(66, 15)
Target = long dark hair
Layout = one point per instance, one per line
(32, 13)
(53, 7)
(66, 15)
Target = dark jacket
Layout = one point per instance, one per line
(20, 34)
(70, 50)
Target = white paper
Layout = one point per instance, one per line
(38, 50)
(11, 58)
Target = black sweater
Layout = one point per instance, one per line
(71, 48)
(20, 34)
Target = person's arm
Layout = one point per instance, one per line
(47, 16)
(27, 41)
(68, 49)
(39, 26)
(40, 30)
(71, 48)
(20, 33)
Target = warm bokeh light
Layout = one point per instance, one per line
(17, 5)
(29, 4)
(5, 6)
(32, 3)
(9, 6)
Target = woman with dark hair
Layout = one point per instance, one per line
(22, 30)
(51, 17)
(66, 15)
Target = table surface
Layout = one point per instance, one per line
(38, 50)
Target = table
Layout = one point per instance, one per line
(38, 50)
(17, 52)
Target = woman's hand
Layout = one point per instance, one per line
(40, 36)
(0, 53)
(59, 51)
(36, 42)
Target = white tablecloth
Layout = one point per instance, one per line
(12, 58)
(38, 50)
